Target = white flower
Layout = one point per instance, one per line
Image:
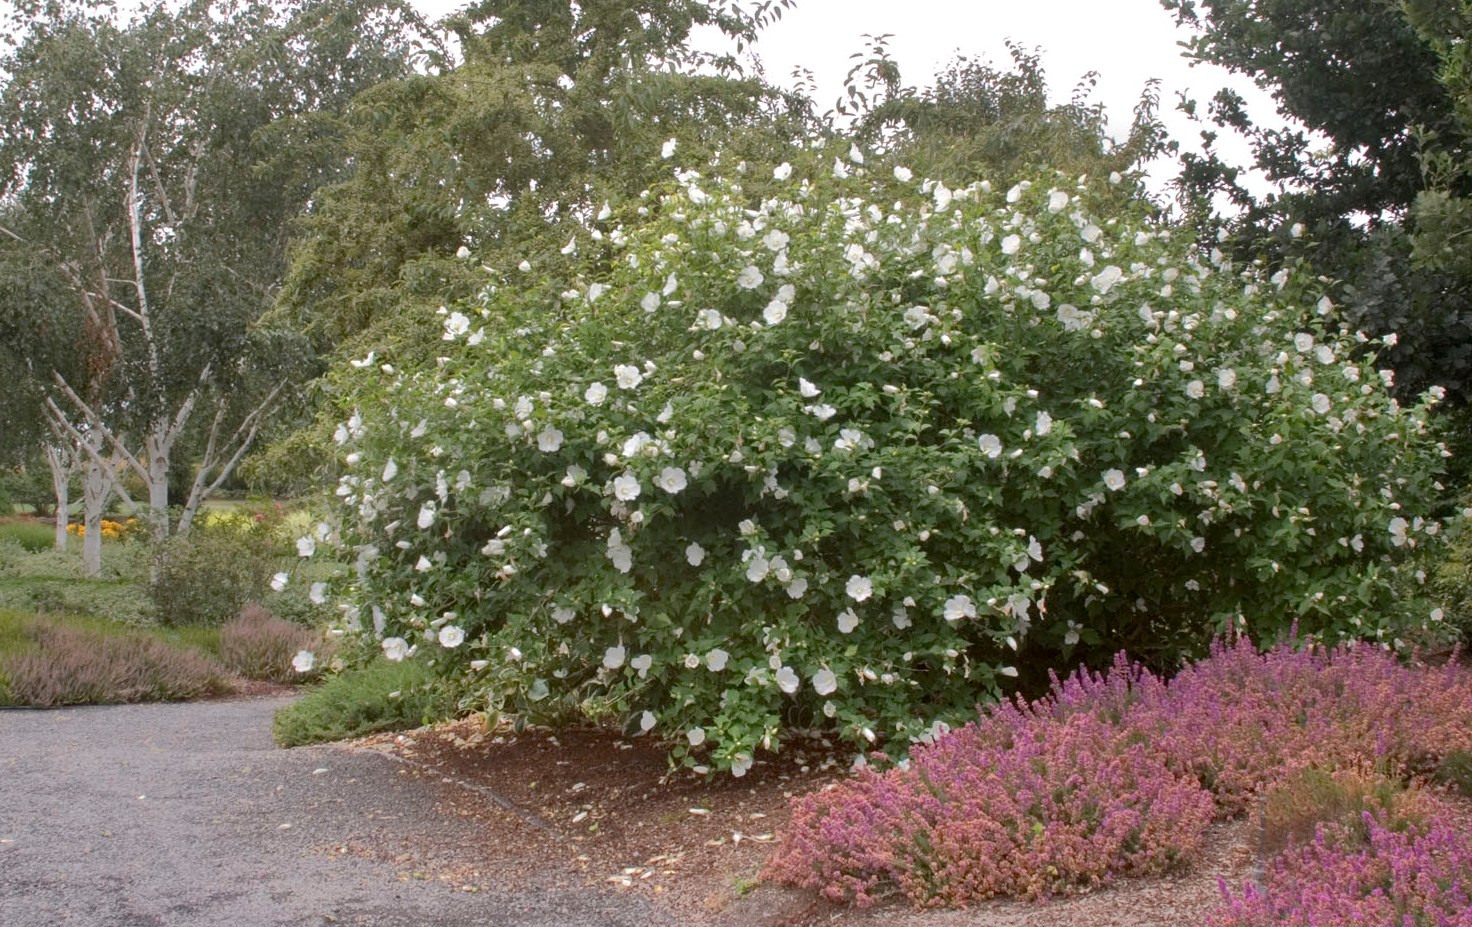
(642, 663)
(1195, 389)
(692, 661)
(859, 588)
(824, 682)
(716, 660)
(1198, 544)
(395, 649)
(1011, 244)
(647, 721)
(695, 555)
(1303, 342)
(854, 154)
(1226, 378)
(562, 614)
(775, 312)
(306, 547)
(279, 580)
(1057, 201)
(776, 240)
(782, 171)
(626, 487)
(596, 393)
(1324, 353)
(806, 389)
(426, 515)
(390, 470)
(1114, 479)
(1043, 424)
(1321, 403)
(456, 325)
(1105, 279)
(423, 564)
(823, 412)
(575, 476)
(628, 376)
(696, 736)
(797, 588)
(850, 439)
(958, 607)
(750, 277)
(990, 445)
(668, 149)
(671, 479)
(650, 302)
(571, 247)
(709, 319)
(787, 680)
(740, 765)
(847, 621)
(304, 661)
(451, 636)
(943, 197)
(318, 594)
(1391, 340)
(757, 568)
(613, 657)
(619, 553)
(1398, 527)
(549, 439)
(903, 174)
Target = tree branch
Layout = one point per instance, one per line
(93, 421)
(108, 467)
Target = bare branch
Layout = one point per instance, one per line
(109, 467)
(93, 421)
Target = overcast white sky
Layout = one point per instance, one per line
(1126, 41)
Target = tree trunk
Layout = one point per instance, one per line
(96, 488)
(157, 447)
(61, 486)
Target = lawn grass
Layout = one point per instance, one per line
(32, 535)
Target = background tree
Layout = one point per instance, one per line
(154, 166)
(1362, 88)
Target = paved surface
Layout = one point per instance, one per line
(188, 815)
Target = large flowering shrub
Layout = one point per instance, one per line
(849, 452)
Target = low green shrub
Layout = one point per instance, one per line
(258, 645)
(1455, 770)
(69, 665)
(206, 577)
(380, 696)
(125, 603)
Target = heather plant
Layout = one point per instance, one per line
(839, 447)
(1402, 876)
(379, 695)
(258, 645)
(1119, 772)
(73, 666)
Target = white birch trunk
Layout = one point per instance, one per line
(96, 488)
(61, 478)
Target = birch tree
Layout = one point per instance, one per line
(154, 167)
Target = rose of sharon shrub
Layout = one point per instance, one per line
(846, 455)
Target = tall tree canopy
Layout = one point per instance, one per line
(151, 168)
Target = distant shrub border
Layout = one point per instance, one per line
(1117, 774)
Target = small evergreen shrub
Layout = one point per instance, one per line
(71, 666)
(1294, 812)
(378, 696)
(258, 645)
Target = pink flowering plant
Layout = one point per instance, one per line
(1119, 774)
(836, 447)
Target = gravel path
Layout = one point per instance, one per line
(186, 814)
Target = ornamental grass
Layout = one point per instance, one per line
(1119, 773)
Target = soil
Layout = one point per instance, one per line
(590, 807)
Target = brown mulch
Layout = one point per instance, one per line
(590, 808)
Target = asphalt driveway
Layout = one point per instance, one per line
(187, 814)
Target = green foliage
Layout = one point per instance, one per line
(977, 121)
(1455, 769)
(46, 663)
(32, 536)
(1371, 177)
(857, 452)
(379, 696)
(206, 577)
